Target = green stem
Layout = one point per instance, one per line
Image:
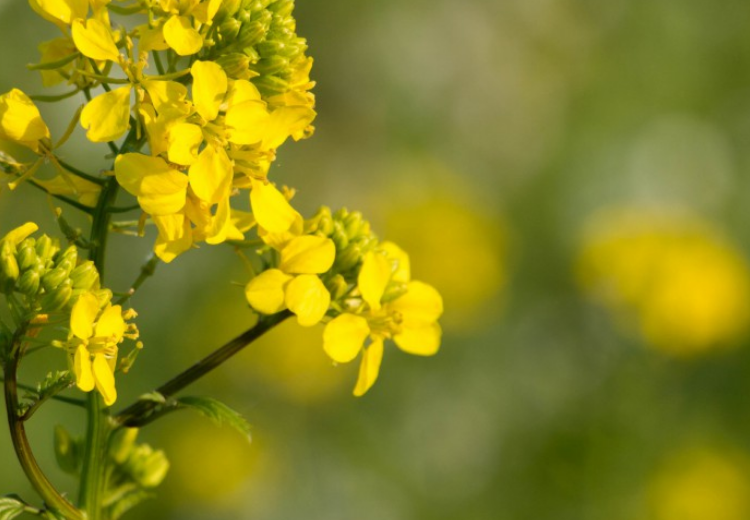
(93, 473)
(21, 442)
(139, 413)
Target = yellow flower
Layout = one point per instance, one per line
(410, 320)
(20, 120)
(686, 287)
(107, 116)
(96, 333)
(295, 284)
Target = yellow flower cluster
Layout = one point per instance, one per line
(336, 271)
(688, 289)
(235, 89)
(39, 278)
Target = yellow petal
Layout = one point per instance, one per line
(94, 39)
(105, 379)
(422, 341)
(308, 254)
(184, 140)
(175, 236)
(107, 116)
(64, 11)
(55, 50)
(421, 305)
(160, 189)
(221, 223)
(211, 176)
(247, 122)
(181, 36)
(399, 257)
(111, 325)
(308, 298)
(20, 234)
(272, 211)
(285, 121)
(151, 39)
(82, 369)
(265, 292)
(240, 91)
(86, 192)
(206, 10)
(20, 120)
(83, 315)
(344, 337)
(279, 240)
(168, 97)
(373, 278)
(209, 87)
(369, 367)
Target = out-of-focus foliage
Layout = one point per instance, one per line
(486, 137)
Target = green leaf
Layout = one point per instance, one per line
(155, 397)
(217, 412)
(11, 507)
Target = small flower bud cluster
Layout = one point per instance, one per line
(47, 278)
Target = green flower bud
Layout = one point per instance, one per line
(57, 298)
(26, 256)
(8, 264)
(228, 8)
(52, 279)
(67, 451)
(146, 466)
(271, 65)
(282, 8)
(353, 224)
(236, 65)
(339, 236)
(28, 284)
(337, 286)
(229, 29)
(348, 258)
(85, 276)
(251, 33)
(45, 248)
(121, 444)
(70, 255)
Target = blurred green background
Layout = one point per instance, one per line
(574, 176)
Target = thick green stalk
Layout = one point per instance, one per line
(93, 473)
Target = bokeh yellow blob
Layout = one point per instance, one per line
(210, 464)
(686, 286)
(702, 484)
(455, 248)
(291, 361)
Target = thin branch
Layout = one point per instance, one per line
(141, 411)
(79, 173)
(147, 271)
(62, 198)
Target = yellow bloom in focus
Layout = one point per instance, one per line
(20, 120)
(410, 320)
(295, 284)
(95, 335)
(688, 289)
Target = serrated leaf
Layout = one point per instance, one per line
(10, 507)
(217, 412)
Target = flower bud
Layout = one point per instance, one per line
(251, 33)
(52, 279)
(348, 258)
(146, 466)
(339, 236)
(121, 444)
(67, 451)
(228, 8)
(70, 255)
(45, 248)
(394, 291)
(282, 8)
(57, 298)
(337, 286)
(85, 276)
(8, 264)
(272, 65)
(26, 255)
(28, 284)
(229, 29)
(236, 65)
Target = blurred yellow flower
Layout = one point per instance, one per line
(701, 484)
(688, 289)
(442, 233)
